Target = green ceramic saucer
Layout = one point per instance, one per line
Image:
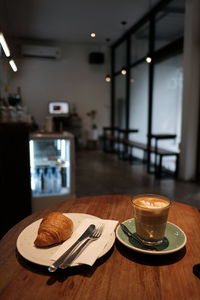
(175, 236)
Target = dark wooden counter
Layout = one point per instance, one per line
(121, 274)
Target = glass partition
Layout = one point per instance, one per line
(138, 112)
(120, 56)
(120, 101)
(167, 100)
(160, 82)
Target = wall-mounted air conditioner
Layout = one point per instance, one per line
(40, 51)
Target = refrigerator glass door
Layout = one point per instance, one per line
(50, 166)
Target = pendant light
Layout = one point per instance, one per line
(108, 77)
(123, 71)
(148, 59)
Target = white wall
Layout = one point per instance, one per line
(70, 78)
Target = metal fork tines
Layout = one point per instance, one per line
(94, 236)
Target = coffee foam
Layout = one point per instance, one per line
(151, 202)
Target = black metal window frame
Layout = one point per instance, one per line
(172, 49)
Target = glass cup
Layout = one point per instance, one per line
(151, 213)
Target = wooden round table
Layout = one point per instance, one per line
(122, 273)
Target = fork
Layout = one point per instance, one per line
(94, 236)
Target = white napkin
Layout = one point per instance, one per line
(94, 249)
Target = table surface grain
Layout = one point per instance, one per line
(120, 274)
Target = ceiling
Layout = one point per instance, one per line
(70, 21)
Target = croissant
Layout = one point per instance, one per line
(54, 228)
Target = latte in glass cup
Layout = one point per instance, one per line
(151, 214)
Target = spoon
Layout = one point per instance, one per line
(136, 238)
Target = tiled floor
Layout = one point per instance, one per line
(99, 173)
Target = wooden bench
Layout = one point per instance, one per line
(134, 144)
(110, 138)
(160, 152)
(114, 138)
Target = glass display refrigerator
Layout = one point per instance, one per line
(52, 168)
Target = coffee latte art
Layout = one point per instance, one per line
(151, 202)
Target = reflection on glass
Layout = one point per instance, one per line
(50, 161)
(120, 56)
(138, 114)
(167, 101)
(139, 43)
(169, 24)
(120, 101)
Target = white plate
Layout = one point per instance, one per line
(41, 256)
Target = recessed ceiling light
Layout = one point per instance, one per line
(93, 34)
